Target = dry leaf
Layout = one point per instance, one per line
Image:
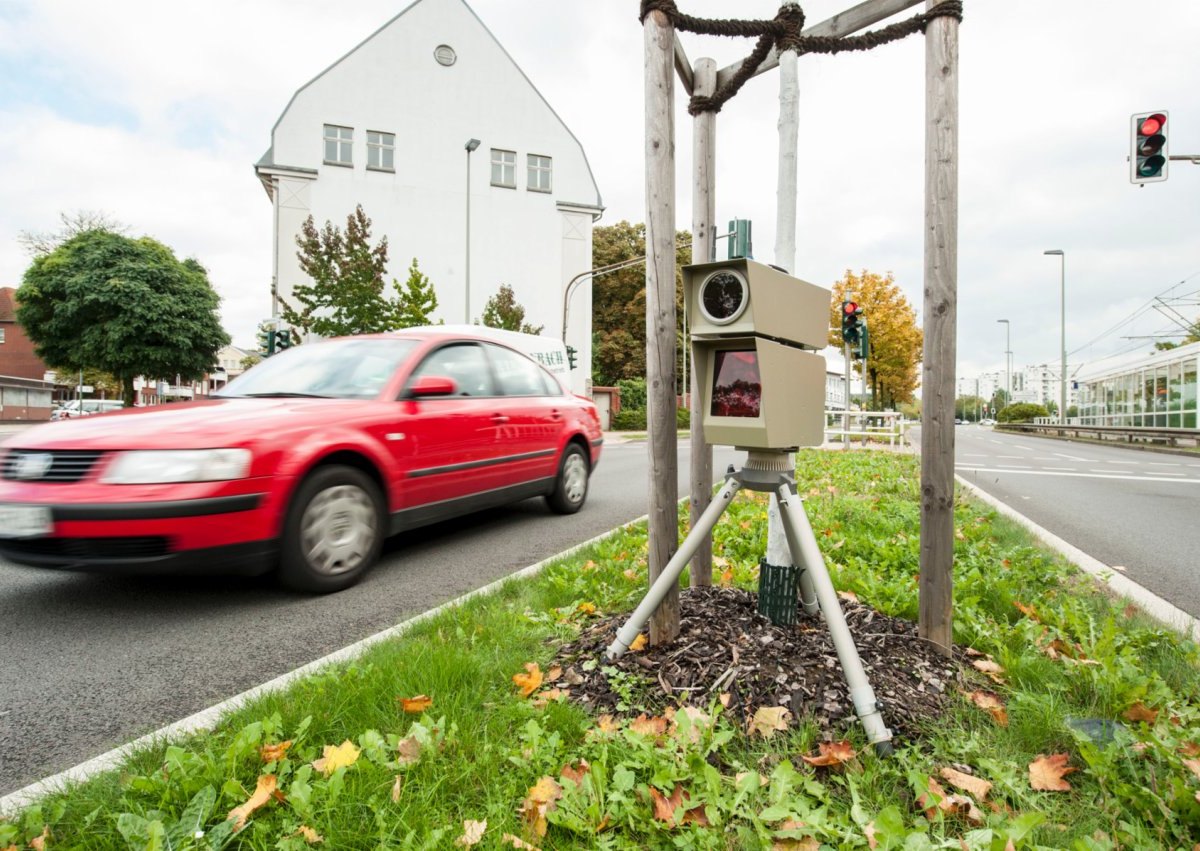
(768, 720)
(831, 753)
(416, 705)
(973, 653)
(554, 673)
(263, 792)
(309, 835)
(606, 724)
(274, 753)
(724, 697)
(700, 721)
(1140, 712)
(396, 788)
(1131, 611)
(335, 757)
(647, 726)
(869, 832)
(987, 666)
(408, 751)
(540, 800)
(1046, 773)
(551, 694)
(472, 833)
(1194, 765)
(848, 595)
(664, 808)
(517, 842)
(38, 843)
(530, 681)
(726, 578)
(1190, 749)
(575, 774)
(1028, 611)
(639, 643)
(1119, 567)
(630, 574)
(808, 843)
(977, 786)
(587, 608)
(591, 565)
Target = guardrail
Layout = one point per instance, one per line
(1186, 437)
(866, 425)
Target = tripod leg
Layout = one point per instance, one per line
(670, 574)
(801, 540)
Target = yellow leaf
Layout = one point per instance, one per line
(517, 842)
(472, 833)
(591, 565)
(38, 843)
(1028, 611)
(992, 703)
(606, 724)
(1046, 773)
(587, 608)
(274, 753)
(336, 756)
(638, 644)
(554, 673)
(551, 694)
(530, 681)
(831, 753)
(977, 786)
(263, 793)
(416, 705)
(646, 726)
(309, 835)
(541, 799)
(768, 720)
(726, 578)
(848, 595)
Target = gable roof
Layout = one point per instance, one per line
(268, 158)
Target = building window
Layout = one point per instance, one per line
(504, 168)
(381, 151)
(1, 335)
(445, 55)
(539, 173)
(337, 144)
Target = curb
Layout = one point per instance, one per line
(1161, 610)
(206, 719)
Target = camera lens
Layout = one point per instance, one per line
(723, 297)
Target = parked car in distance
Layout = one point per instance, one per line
(987, 422)
(304, 464)
(86, 408)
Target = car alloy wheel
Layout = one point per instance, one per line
(338, 529)
(571, 484)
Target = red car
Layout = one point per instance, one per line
(305, 463)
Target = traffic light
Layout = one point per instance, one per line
(283, 339)
(266, 340)
(850, 322)
(1148, 147)
(571, 353)
(864, 343)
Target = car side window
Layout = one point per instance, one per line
(465, 363)
(553, 388)
(517, 374)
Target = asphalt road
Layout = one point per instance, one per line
(91, 662)
(1125, 507)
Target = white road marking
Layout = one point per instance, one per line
(1026, 448)
(1063, 469)
(1133, 463)
(1071, 457)
(974, 454)
(1013, 466)
(1172, 474)
(1076, 475)
(1017, 457)
(1161, 464)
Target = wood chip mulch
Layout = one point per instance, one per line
(726, 646)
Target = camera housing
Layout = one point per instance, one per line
(754, 330)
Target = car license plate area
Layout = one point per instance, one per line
(25, 521)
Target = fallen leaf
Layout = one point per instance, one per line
(1046, 773)
(723, 698)
(990, 702)
(1119, 567)
(591, 565)
(1028, 611)
(274, 753)
(1131, 611)
(700, 721)
(741, 775)
(726, 578)
(664, 808)
(831, 753)
(973, 653)
(639, 643)
(335, 757)
(951, 805)
(987, 666)
(263, 793)
(745, 524)
(416, 705)
(38, 843)
(575, 774)
(472, 833)
(517, 842)
(647, 726)
(869, 832)
(309, 835)
(630, 574)
(1190, 749)
(1194, 765)
(551, 694)
(396, 788)
(408, 751)
(554, 673)
(530, 681)
(768, 720)
(606, 724)
(1140, 712)
(541, 799)
(805, 844)
(587, 608)
(977, 786)
(848, 595)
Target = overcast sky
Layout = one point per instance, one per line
(154, 112)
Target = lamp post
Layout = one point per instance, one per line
(471, 145)
(1007, 362)
(1062, 402)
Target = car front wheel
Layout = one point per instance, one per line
(571, 485)
(334, 530)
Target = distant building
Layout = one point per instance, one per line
(25, 394)
(397, 125)
(1155, 390)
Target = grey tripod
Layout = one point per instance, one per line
(769, 471)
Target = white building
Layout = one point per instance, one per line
(456, 158)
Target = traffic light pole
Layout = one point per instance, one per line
(846, 415)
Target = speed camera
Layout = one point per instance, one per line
(754, 330)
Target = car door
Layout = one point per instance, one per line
(532, 420)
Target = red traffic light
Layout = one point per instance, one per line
(1152, 124)
(849, 307)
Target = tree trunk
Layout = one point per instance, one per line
(128, 394)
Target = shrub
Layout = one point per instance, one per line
(1022, 412)
(629, 419)
(633, 393)
(683, 418)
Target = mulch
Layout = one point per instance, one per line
(726, 647)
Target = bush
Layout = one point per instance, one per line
(1022, 412)
(633, 393)
(683, 418)
(629, 419)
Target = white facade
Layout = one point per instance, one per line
(387, 127)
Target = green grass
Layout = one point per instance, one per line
(482, 746)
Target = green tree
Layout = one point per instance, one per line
(895, 339)
(415, 299)
(968, 407)
(1022, 412)
(503, 311)
(125, 306)
(345, 294)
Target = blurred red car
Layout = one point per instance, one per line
(305, 463)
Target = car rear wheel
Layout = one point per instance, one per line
(571, 485)
(334, 530)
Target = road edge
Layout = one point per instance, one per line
(1161, 610)
(206, 719)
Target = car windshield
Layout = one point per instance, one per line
(334, 369)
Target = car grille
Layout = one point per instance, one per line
(67, 465)
(90, 549)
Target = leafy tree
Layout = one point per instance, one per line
(999, 400)
(125, 306)
(415, 300)
(895, 340)
(968, 407)
(345, 295)
(503, 311)
(619, 303)
(73, 224)
(250, 360)
(1022, 412)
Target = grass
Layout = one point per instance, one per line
(479, 749)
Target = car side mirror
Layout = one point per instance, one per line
(432, 385)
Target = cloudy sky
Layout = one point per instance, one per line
(154, 113)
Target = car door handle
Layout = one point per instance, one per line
(499, 419)
(556, 415)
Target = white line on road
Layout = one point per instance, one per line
(1017, 457)
(1013, 466)
(974, 454)
(1063, 469)
(1161, 464)
(1026, 448)
(1078, 475)
(1071, 457)
(1133, 463)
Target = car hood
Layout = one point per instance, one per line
(195, 425)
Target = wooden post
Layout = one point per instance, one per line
(941, 282)
(704, 220)
(658, 40)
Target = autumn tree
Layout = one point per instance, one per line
(124, 306)
(415, 299)
(894, 358)
(619, 303)
(504, 311)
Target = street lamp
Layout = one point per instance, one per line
(1007, 361)
(1062, 402)
(471, 145)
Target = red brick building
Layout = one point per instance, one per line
(24, 395)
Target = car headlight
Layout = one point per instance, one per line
(163, 466)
